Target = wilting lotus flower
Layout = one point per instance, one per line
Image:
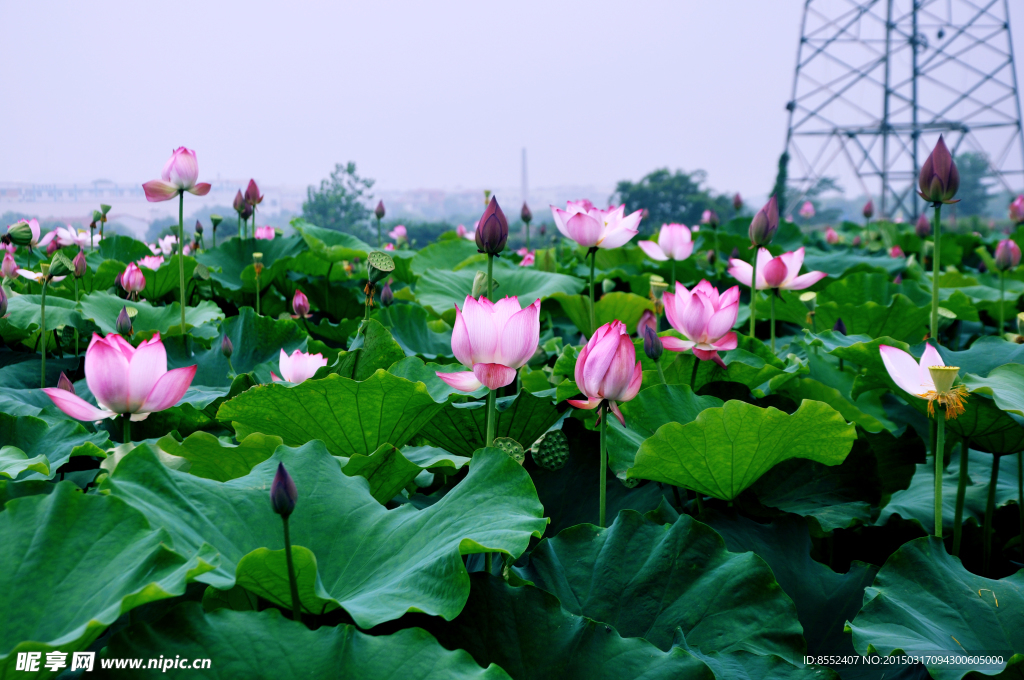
(265, 233)
(132, 279)
(831, 236)
(1017, 210)
(179, 174)
(607, 369)
(896, 251)
(784, 274)
(920, 380)
(492, 339)
(298, 366)
(704, 317)
(1007, 255)
(125, 380)
(9, 267)
(300, 305)
(152, 262)
(674, 243)
(594, 228)
(868, 210)
(807, 210)
(939, 179)
(398, 233)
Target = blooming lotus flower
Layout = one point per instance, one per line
(784, 274)
(151, 262)
(705, 318)
(896, 251)
(920, 380)
(35, 241)
(607, 369)
(492, 339)
(179, 174)
(674, 243)
(165, 245)
(300, 305)
(265, 233)
(807, 210)
(1007, 255)
(594, 228)
(9, 267)
(298, 366)
(939, 179)
(831, 236)
(69, 236)
(38, 276)
(709, 217)
(125, 380)
(398, 233)
(1017, 210)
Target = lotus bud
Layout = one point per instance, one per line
(653, 346)
(1007, 255)
(896, 251)
(387, 297)
(939, 179)
(492, 230)
(80, 264)
(607, 286)
(525, 215)
(124, 323)
(3, 301)
(737, 202)
(215, 220)
(9, 268)
(20, 233)
(199, 227)
(246, 211)
(379, 210)
(239, 202)
(840, 327)
(283, 493)
(869, 209)
(765, 224)
(300, 304)
(543, 229)
(52, 247)
(480, 284)
(132, 279)
(923, 227)
(831, 236)
(1017, 210)
(856, 240)
(60, 265)
(252, 194)
(710, 218)
(226, 347)
(735, 254)
(899, 279)
(64, 383)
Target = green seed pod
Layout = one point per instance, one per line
(510, 446)
(551, 451)
(60, 265)
(378, 266)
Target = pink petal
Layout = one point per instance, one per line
(75, 406)
(560, 216)
(741, 271)
(696, 317)
(620, 372)
(145, 368)
(586, 404)
(903, 370)
(619, 236)
(634, 384)
(930, 357)
(602, 353)
(200, 189)
(274, 377)
(463, 381)
(618, 414)
(461, 346)
(159, 190)
(709, 355)
(731, 296)
(520, 336)
(503, 310)
(581, 362)
(652, 250)
(584, 229)
(106, 374)
(805, 281)
(483, 336)
(722, 321)
(169, 390)
(45, 241)
(182, 169)
(676, 345)
(494, 375)
(727, 342)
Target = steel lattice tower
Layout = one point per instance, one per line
(877, 82)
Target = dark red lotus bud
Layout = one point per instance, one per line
(1007, 255)
(246, 211)
(653, 347)
(765, 224)
(52, 247)
(387, 297)
(123, 325)
(492, 231)
(840, 327)
(199, 227)
(252, 194)
(735, 254)
(923, 227)
(525, 213)
(737, 202)
(543, 229)
(869, 209)
(283, 494)
(239, 202)
(226, 347)
(80, 264)
(64, 383)
(379, 210)
(939, 179)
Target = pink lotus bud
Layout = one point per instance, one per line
(252, 194)
(868, 210)
(896, 251)
(52, 247)
(1017, 210)
(387, 296)
(856, 240)
(737, 202)
(246, 211)
(1007, 255)
(765, 224)
(379, 211)
(939, 179)
(923, 227)
(3, 302)
(460, 231)
(123, 325)
(227, 348)
(831, 236)
(492, 232)
(9, 268)
(80, 264)
(674, 243)
(132, 279)
(899, 279)
(710, 218)
(239, 202)
(64, 383)
(644, 213)
(283, 494)
(300, 304)
(807, 210)
(525, 215)
(607, 370)
(179, 174)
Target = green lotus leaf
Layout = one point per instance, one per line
(901, 319)
(31, 448)
(413, 369)
(726, 449)
(121, 248)
(389, 470)
(443, 255)
(838, 264)
(257, 341)
(625, 307)
(230, 260)
(808, 388)
(415, 561)
(408, 325)
(210, 458)
(102, 308)
(23, 312)
(330, 245)
(167, 279)
(751, 364)
(1005, 385)
(375, 348)
(984, 355)
(441, 290)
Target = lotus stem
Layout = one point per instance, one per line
(772, 296)
(961, 493)
(126, 427)
(492, 416)
(239, 225)
(940, 443)
(661, 373)
(672, 282)
(76, 327)
(181, 254)
(990, 509)
(603, 415)
(1020, 498)
(527, 235)
(379, 240)
(490, 276)
(42, 335)
(700, 503)
(487, 562)
(292, 583)
(1002, 310)
(593, 302)
(937, 227)
(753, 292)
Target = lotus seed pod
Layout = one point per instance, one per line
(511, 447)
(551, 451)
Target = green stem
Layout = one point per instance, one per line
(42, 327)
(257, 295)
(1002, 309)
(126, 427)
(772, 295)
(181, 254)
(661, 373)
(490, 276)
(232, 369)
(379, 240)
(213, 236)
(239, 225)
(961, 493)
(672, 281)
(292, 583)
(603, 414)
(937, 227)
(990, 509)
(693, 374)
(753, 292)
(487, 562)
(715, 263)
(939, 451)
(492, 416)
(527, 235)
(593, 302)
(76, 327)
(700, 504)
(1020, 498)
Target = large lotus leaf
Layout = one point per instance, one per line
(443, 255)
(229, 260)
(826, 382)
(1005, 385)
(330, 245)
(837, 264)
(632, 576)
(413, 369)
(72, 563)
(377, 564)
(256, 339)
(923, 602)
(214, 459)
(20, 370)
(374, 348)
(25, 438)
(859, 288)
(983, 355)
(625, 307)
(750, 364)
(808, 388)
(121, 248)
(102, 308)
(649, 410)
(462, 428)
(441, 290)
(167, 279)
(526, 632)
(408, 325)
(24, 312)
(987, 298)
(900, 319)
(348, 416)
(727, 449)
(389, 470)
(267, 645)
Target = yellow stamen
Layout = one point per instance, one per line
(952, 401)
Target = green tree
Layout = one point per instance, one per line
(340, 202)
(671, 197)
(973, 193)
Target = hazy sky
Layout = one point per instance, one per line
(420, 95)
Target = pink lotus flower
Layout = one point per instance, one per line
(33, 226)
(9, 268)
(165, 246)
(807, 210)
(69, 236)
(1007, 255)
(398, 233)
(265, 233)
(528, 260)
(605, 369)
(179, 174)
(674, 243)
(1017, 210)
(298, 366)
(38, 276)
(125, 380)
(896, 251)
(591, 227)
(705, 318)
(132, 279)
(389, 246)
(492, 339)
(462, 232)
(907, 373)
(831, 236)
(783, 274)
(152, 262)
(300, 305)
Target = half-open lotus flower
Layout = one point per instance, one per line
(493, 340)
(528, 259)
(179, 174)
(831, 236)
(125, 380)
(37, 276)
(9, 267)
(36, 240)
(594, 228)
(704, 317)
(674, 243)
(298, 366)
(607, 369)
(788, 264)
(69, 236)
(151, 262)
(265, 233)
